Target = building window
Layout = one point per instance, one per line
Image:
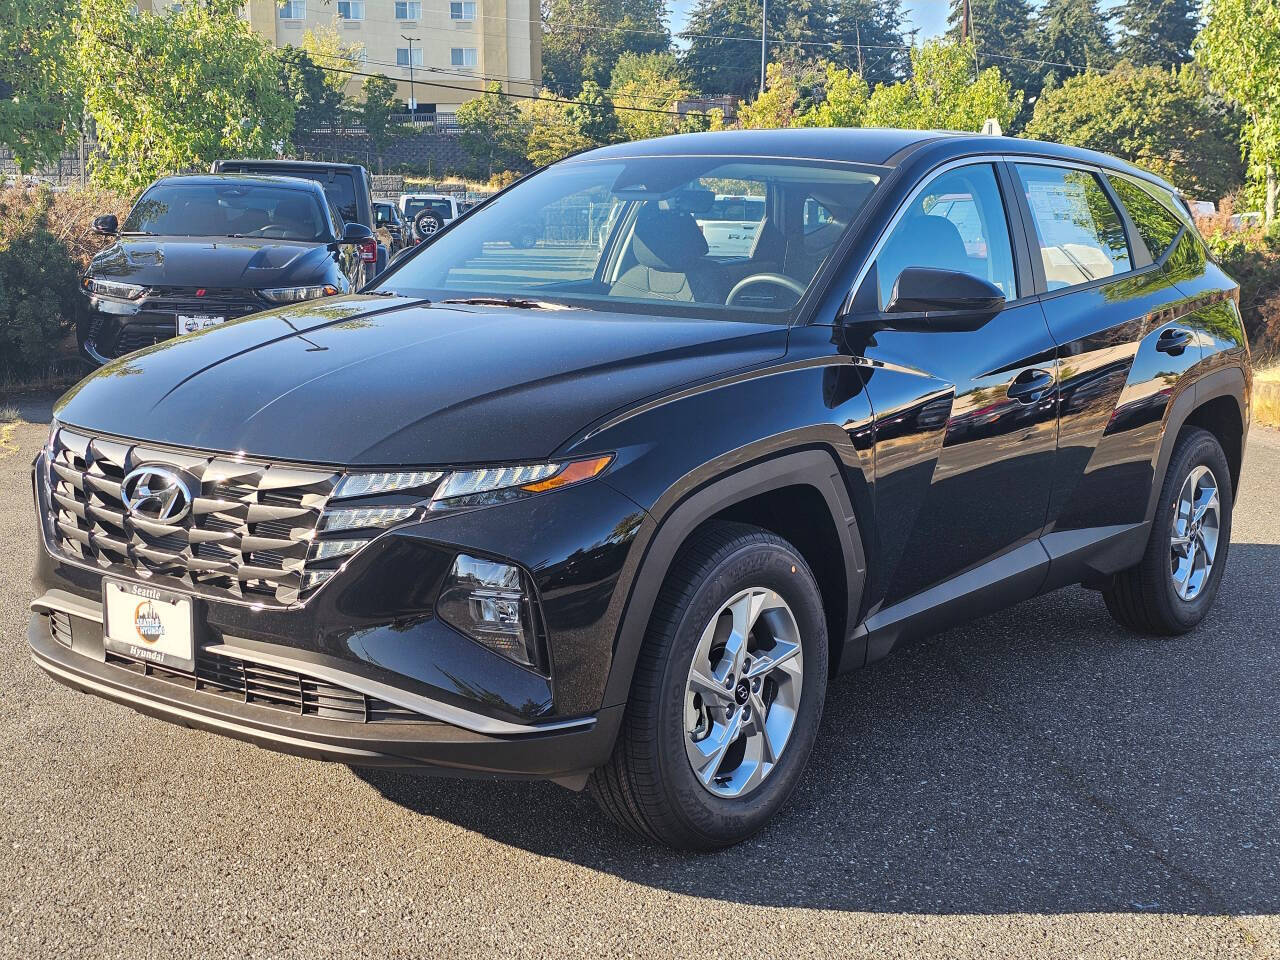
(293, 9)
(408, 10)
(462, 57)
(351, 9)
(463, 10)
(402, 56)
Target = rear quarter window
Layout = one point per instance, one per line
(1156, 223)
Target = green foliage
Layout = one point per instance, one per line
(376, 112)
(1002, 33)
(495, 132)
(583, 39)
(305, 84)
(791, 95)
(176, 91)
(1072, 32)
(868, 32)
(651, 82)
(39, 89)
(1252, 258)
(39, 285)
(942, 93)
(327, 46)
(733, 66)
(1159, 119)
(1156, 33)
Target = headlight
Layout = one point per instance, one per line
(113, 288)
(367, 484)
(298, 294)
(362, 517)
(491, 484)
(491, 603)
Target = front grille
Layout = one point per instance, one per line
(246, 537)
(275, 688)
(60, 627)
(223, 301)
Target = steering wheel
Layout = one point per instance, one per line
(270, 226)
(775, 278)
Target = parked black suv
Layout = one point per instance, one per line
(348, 186)
(612, 512)
(196, 251)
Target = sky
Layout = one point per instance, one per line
(930, 18)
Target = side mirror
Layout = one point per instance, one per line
(926, 290)
(107, 225)
(356, 233)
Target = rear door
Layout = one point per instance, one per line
(965, 418)
(1107, 271)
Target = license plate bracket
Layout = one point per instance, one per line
(149, 624)
(191, 322)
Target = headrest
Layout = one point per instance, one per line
(667, 239)
(940, 238)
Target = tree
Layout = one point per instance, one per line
(327, 47)
(718, 66)
(1156, 33)
(1160, 119)
(791, 93)
(558, 128)
(1071, 32)
(494, 131)
(377, 113)
(1001, 32)
(40, 96)
(176, 91)
(315, 102)
(583, 39)
(844, 102)
(1240, 49)
(942, 94)
(643, 84)
(870, 38)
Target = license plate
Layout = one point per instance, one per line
(197, 321)
(148, 624)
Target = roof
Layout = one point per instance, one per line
(294, 164)
(869, 145)
(261, 179)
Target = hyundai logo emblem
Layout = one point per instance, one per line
(157, 494)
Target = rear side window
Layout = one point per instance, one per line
(958, 223)
(1080, 234)
(1156, 223)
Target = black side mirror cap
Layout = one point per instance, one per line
(927, 290)
(107, 225)
(355, 233)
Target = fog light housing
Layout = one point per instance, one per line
(491, 603)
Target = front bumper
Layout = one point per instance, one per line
(440, 737)
(116, 327)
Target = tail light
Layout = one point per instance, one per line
(369, 250)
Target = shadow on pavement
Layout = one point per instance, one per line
(1040, 760)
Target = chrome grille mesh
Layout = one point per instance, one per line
(247, 535)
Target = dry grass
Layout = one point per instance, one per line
(1266, 396)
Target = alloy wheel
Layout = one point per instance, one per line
(1193, 541)
(743, 692)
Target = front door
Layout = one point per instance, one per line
(965, 416)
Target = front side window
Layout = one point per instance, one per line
(464, 10)
(1155, 222)
(405, 58)
(957, 223)
(644, 235)
(293, 10)
(224, 209)
(462, 57)
(408, 10)
(351, 9)
(1080, 234)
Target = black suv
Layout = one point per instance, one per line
(348, 186)
(613, 508)
(197, 251)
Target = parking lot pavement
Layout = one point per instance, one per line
(1036, 784)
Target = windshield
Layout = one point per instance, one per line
(229, 210)
(719, 237)
(414, 207)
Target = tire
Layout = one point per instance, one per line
(1148, 598)
(426, 225)
(649, 785)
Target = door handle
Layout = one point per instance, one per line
(1173, 340)
(1030, 385)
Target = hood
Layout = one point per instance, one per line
(209, 262)
(364, 380)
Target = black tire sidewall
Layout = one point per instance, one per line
(1200, 449)
(723, 820)
(420, 221)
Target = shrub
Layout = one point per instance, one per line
(1252, 257)
(45, 242)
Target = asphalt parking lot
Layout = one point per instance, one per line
(1035, 784)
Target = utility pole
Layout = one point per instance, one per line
(857, 29)
(764, 32)
(413, 100)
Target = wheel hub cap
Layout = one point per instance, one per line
(742, 692)
(1193, 539)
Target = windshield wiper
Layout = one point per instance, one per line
(136, 233)
(520, 303)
